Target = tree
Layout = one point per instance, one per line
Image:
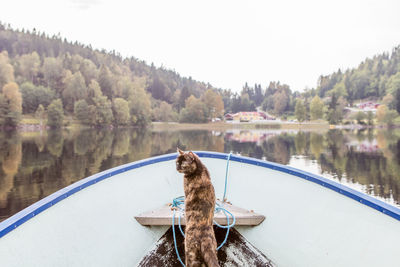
(139, 103)
(316, 108)
(94, 90)
(33, 96)
(214, 103)
(389, 101)
(75, 89)
(121, 111)
(335, 110)
(55, 114)
(81, 111)
(28, 66)
(300, 110)
(393, 84)
(280, 102)
(165, 113)
(385, 115)
(183, 96)
(106, 81)
(13, 104)
(53, 73)
(397, 100)
(104, 115)
(6, 69)
(89, 71)
(195, 111)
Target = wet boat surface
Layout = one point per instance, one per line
(237, 251)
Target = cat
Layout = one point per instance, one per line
(200, 243)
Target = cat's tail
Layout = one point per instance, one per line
(209, 253)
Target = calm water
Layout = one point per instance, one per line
(35, 165)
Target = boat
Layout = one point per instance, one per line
(309, 220)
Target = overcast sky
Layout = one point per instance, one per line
(225, 43)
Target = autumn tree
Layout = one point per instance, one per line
(6, 69)
(214, 104)
(121, 111)
(13, 104)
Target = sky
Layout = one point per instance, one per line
(225, 43)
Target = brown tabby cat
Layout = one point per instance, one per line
(200, 244)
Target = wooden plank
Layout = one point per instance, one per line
(163, 216)
(237, 251)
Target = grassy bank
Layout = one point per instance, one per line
(223, 126)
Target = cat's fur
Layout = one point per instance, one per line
(200, 243)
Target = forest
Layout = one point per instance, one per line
(51, 78)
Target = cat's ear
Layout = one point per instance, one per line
(179, 151)
(191, 155)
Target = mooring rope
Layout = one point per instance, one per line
(179, 201)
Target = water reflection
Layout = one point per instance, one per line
(34, 165)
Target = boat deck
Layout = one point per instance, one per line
(163, 216)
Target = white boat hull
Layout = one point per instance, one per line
(307, 223)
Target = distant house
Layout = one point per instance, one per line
(369, 105)
(229, 116)
(247, 116)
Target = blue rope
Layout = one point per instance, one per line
(173, 233)
(179, 201)
(226, 176)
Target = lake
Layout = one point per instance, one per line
(37, 164)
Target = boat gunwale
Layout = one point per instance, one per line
(31, 211)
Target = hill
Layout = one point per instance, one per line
(99, 87)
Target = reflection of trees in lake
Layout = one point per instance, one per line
(10, 155)
(55, 141)
(35, 165)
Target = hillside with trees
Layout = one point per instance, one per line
(47, 75)
(52, 79)
(376, 79)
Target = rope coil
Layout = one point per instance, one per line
(179, 201)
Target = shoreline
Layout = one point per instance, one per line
(211, 126)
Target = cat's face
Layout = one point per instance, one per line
(185, 162)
